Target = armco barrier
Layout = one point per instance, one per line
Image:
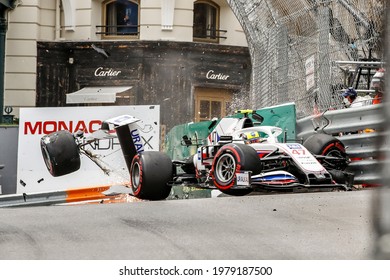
(359, 129)
(102, 194)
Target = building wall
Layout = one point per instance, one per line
(41, 20)
(24, 28)
(161, 73)
(151, 18)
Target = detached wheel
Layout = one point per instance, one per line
(150, 173)
(229, 160)
(60, 153)
(326, 145)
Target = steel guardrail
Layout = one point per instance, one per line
(94, 194)
(360, 129)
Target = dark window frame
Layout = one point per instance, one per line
(207, 29)
(113, 27)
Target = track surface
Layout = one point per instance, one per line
(336, 225)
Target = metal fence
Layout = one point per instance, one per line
(307, 51)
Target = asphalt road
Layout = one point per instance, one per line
(336, 225)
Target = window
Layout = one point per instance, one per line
(206, 21)
(211, 103)
(121, 18)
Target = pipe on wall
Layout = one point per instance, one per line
(58, 20)
(3, 32)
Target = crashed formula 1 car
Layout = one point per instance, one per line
(238, 156)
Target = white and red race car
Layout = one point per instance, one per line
(237, 158)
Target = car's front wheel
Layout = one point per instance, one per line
(230, 160)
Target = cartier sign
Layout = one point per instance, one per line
(106, 72)
(211, 75)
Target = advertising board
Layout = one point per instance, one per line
(32, 174)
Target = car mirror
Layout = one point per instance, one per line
(213, 123)
(258, 117)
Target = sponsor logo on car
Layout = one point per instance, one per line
(294, 146)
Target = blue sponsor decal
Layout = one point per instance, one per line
(137, 140)
(294, 146)
(274, 177)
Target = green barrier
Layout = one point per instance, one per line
(188, 192)
(197, 132)
(283, 116)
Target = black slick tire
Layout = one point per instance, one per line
(150, 173)
(60, 153)
(327, 145)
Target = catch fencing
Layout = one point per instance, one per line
(361, 131)
(308, 51)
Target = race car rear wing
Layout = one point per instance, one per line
(128, 135)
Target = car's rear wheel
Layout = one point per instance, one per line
(60, 153)
(150, 173)
(327, 145)
(231, 159)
